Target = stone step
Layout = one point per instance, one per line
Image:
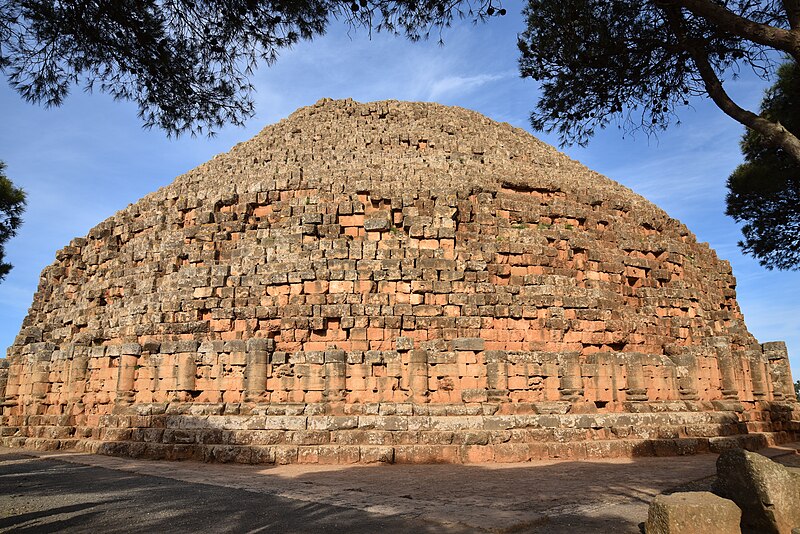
(408, 453)
(391, 429)
(752, 442)
(759, 426)
(387, 435)
(393, 437)
(398, 422)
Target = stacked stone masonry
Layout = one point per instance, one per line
(391, 282)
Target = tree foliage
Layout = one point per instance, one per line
(12, 205)
(186, 63)
(636, 62)
(764, 192)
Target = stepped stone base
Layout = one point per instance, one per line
(406, 433)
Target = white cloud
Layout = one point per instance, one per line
(451, 85)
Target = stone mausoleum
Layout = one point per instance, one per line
(391, 282)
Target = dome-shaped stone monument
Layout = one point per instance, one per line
(391, 282)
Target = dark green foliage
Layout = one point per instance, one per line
(581, 52)
(764, 192)
(186, 63)
(634, 63)
(12, 204)
(626, 61)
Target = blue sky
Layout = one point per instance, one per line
(84, 161)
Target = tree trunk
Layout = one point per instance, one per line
(792, 8)
(723, 18)
(774, 132)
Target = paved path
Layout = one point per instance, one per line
(46, 492)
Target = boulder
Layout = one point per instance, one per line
(692, 512)
(767, 492)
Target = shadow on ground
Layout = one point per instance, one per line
(51, 494)
(38, 495)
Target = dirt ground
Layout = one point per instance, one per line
(48, 492)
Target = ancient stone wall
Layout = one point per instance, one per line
(357, 270)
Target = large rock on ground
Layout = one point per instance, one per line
(692, 512)
(767, 492)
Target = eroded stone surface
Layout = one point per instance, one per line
(767, 492)
(419, 267)
(692, 512)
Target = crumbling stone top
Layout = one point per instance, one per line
(392, 148)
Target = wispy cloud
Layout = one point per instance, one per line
(462, 84)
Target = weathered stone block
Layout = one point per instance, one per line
(376, 454)
(697, 512)
(378, 221)
(288, 422)
(332, 422)
(469, 343)
(403, 344)
(474, 395)
(767, 492)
